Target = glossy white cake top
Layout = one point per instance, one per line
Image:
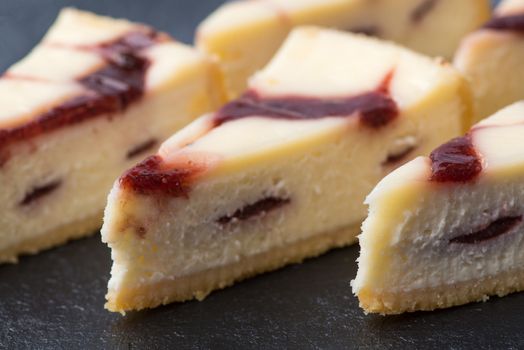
(48, 75)
(500, 138)
(22, 99)
(497, 140)
(317, 63)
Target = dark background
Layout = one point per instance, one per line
(55, 299)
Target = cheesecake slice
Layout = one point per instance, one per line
(280, 173)
(244, 35)
(491, 58)
(448, 229)
(96, 95)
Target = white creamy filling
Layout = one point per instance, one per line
(421, 255)
(87, 158)
(183, 237)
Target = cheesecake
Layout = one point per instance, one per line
(280, 173)
(448, 229)
(244, 35)
(93, 97)
(491, 58)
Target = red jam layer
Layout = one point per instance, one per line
(395, 158)
(375, 109)
(40, 191)
(123, 77)
(110, 89)
(151, 177)
(422, 10)
(141, 148)
(260, 207)
(513, 23)
(496, 228)
(369, 30)
(455, 161)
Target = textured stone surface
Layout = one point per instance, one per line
(55, 300)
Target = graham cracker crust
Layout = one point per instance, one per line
(199, 285)
(429, 299)
(74, 230)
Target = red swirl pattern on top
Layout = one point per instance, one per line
(455, 161)
(507, 23)
(109, 90)
(375, 109)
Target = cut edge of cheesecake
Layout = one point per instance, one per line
(490, 57)
(209, 164)
(199, 285)
(445, 230)
(42, 98)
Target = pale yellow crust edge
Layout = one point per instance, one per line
(199, 285)
(70, 231)
(429, 299)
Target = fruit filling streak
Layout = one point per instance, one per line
(422, 10)
(40, 191)
(259, 208)
(494, 229)
(108, 90)
(141, 148)
(455, 161)
(375, 109)
(509, 23)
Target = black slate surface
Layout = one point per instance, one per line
(55, 300)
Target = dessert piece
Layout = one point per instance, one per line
(279, 174)
(447, 229)
(244, 35)
(491, 58)
(92, 98)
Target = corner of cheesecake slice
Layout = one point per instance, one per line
(279, 174)
(491, 58)
(92, 98)
(448, 229)
(244, 35)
